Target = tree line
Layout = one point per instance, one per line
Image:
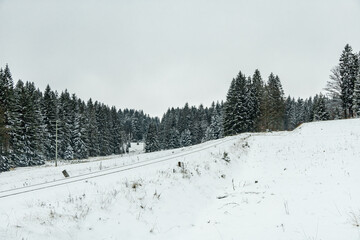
(255, 105)
(29, 118)
(30, 121)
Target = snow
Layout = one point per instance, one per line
(282, 185)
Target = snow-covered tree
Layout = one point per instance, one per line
(185, 138)
(49, 112)
(174, 141)
(356, 96)
(320, 113)
(151, 140)
(348, 66)
(275, 103)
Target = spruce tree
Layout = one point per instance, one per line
(185, 138)
(320, 113)
(275, 103)
(356, 96)
(27, 134)
(174, 141)
(6, 108)
(151, 140)
(49, 111)
(78, 138)
(92, 131)
(349, 65)
(229, 108)
(65, 125)
(258, 89)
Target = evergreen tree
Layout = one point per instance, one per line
(151, 140)
(65, 125)
(320, 113)
(6, 106)
(251, 105)
(237, 112)
(184, 119)
(185, 138)
(356, 96)
(275, 103)
(214, 130)
(78, 138)
(308, 110)
(27, 135)
(349, 66)
(229, 108)
(116, 136)
(49, 111)
(258, 89)
(92, 131)
(4, 163)
(289, 114)
(174, 139)
(69, 152)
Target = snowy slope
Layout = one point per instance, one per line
(284, 185)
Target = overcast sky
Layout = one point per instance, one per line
(155, 54)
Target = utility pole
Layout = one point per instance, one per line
(56, 143)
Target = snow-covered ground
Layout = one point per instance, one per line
(285, 185)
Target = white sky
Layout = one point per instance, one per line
(155, 54)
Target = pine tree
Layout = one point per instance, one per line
(290, 114)
(116, 132)
(49, 111)
(185, 138)
(184, 119)
(300, 114)
(65, 125)
(78, 139)
(174, 139)
(4, 163)
(320, 113)
(349, 65)
(308, 110)
(258, 89)
(27, 132)
(92, 131)
(69, 152)
(356, 96)
(214, 130)
(251, 105)
(229, 108)
(237, 111)
(6, 106)
(151, 140)
(103, 121)
(275, 103)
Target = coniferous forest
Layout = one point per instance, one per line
(29, 118)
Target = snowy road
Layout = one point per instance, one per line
(113, 170)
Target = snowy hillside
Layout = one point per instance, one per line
(283, 185)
